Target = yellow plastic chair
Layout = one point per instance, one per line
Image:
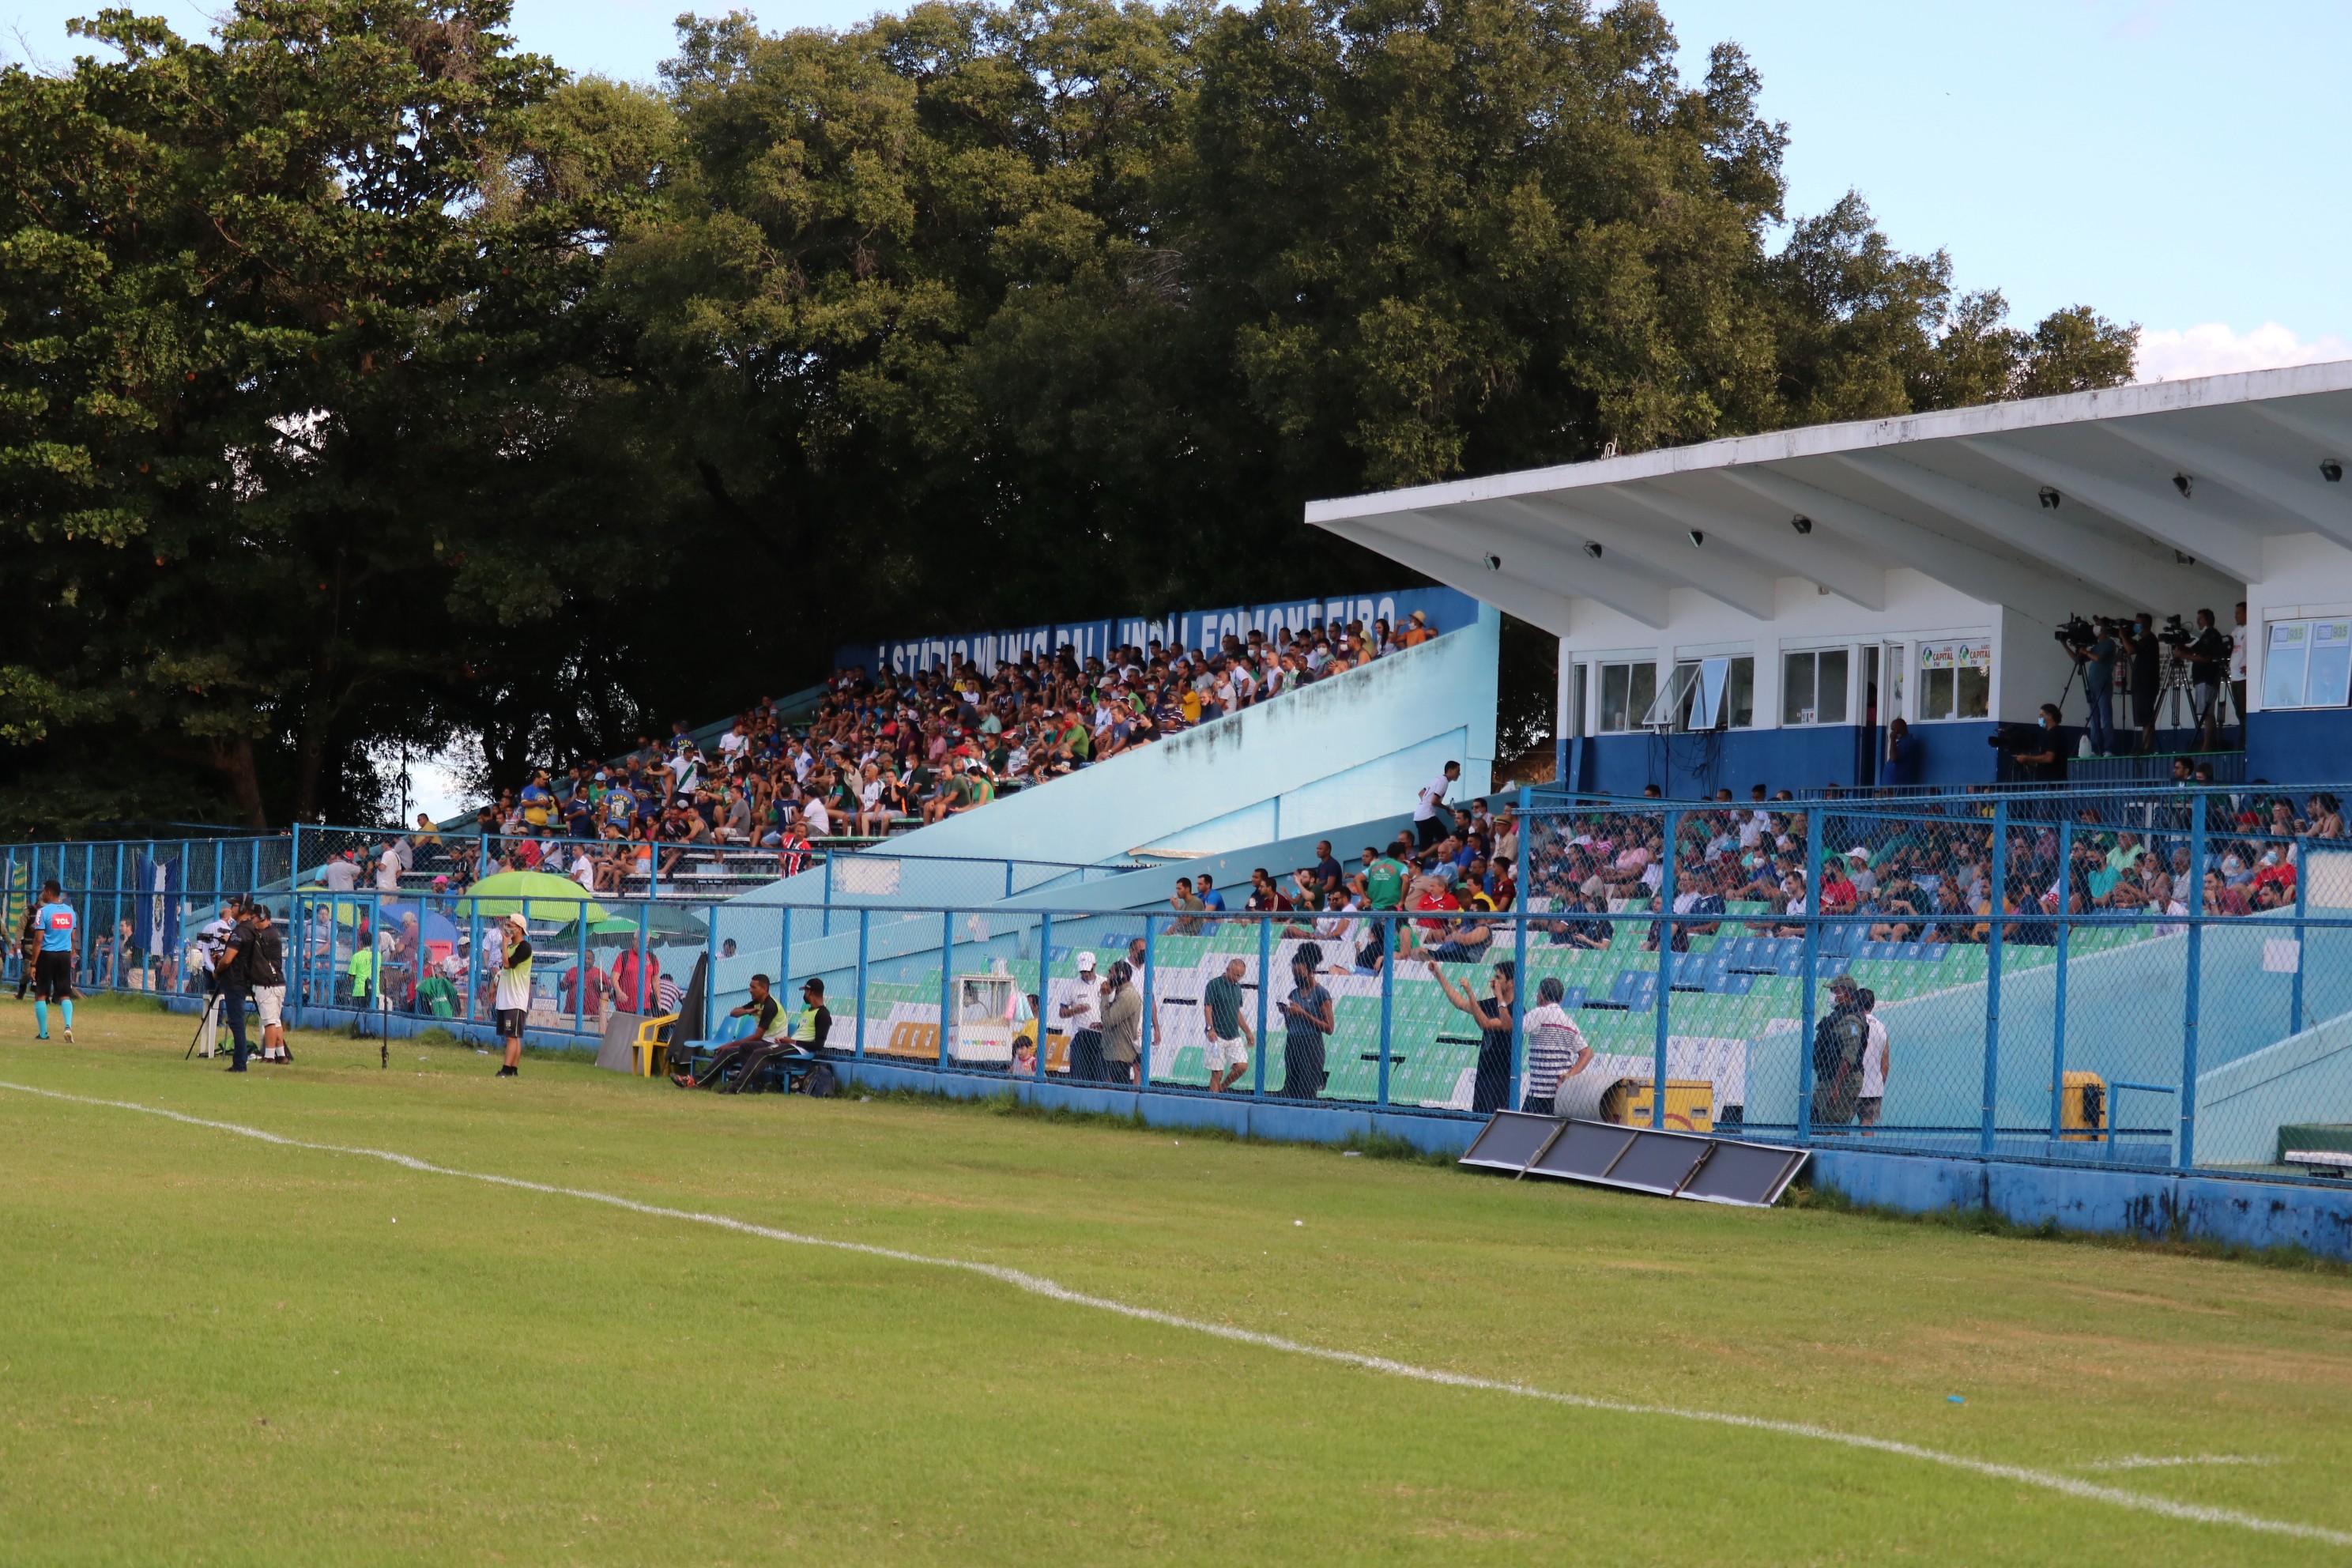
(648, 1046)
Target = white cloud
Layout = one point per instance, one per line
(2217, 349)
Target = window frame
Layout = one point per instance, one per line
(1964, 663)
(2310, 652)
(1637, 704)
(1816, 654)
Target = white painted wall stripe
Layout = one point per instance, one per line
(1035, 1285)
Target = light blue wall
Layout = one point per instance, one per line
(2241, 1105)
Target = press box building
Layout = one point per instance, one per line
(1758, 609)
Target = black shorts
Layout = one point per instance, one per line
(509, 1021)
(53, 976)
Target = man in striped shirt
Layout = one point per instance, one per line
(1556, 1047)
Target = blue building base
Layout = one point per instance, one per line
(2152, 1206)
(1277, 1121)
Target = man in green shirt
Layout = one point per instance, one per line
(1383, 883)
(1231, 1039)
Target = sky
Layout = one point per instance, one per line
(2176, 164)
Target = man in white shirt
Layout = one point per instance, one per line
(1874, 1063)
(1081, 1015)
(734, 743)
(1430, 821)
(387, 868)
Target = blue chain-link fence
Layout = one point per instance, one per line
(2144, 977)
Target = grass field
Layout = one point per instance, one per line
(222, 1350)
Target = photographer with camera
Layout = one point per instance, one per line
(2208, 654)
(2137, 639)
(2034, 752)
(2093, 645)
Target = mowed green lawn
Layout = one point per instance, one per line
(216, 1350)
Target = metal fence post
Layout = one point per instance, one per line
(1386, 926)
(253, 881)
(1151, 1011)
(1044, 989)
(947, 974)
(784, 955)
(1665, 930)
(1809, 1004)
(827, 928)
(648, 996)
(579, 971)
(865, 929)
(1520, 984)
(294, 865)
(709, 965)
(2186, 1155)
(2058, 1017)
(1265, 990)
(1987, 1134)
(2302, 907)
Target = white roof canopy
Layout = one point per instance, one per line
(2151, 497)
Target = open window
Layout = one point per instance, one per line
(1717, 693)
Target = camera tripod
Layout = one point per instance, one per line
(204, 1024)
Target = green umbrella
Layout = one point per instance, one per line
(503, 895)
(660, 919)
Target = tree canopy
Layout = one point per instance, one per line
(364, 381)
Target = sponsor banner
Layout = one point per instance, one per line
(1446, 609)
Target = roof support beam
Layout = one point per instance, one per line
(1963, 566)
(1777, 545)
(1531, 603)
(1552, 561)
(2226, 546)
(2271, 486)
(2334, 439)
(1670, 555)
(2142, 582)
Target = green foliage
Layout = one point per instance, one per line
(363, 381)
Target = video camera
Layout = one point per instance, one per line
(2076, 632)
(2175, 635)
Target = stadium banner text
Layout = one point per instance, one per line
(1447, 610)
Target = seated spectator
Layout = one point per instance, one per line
(1188, 907)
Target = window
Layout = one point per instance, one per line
(1715, 693)
(1812, 686)
(2307, 663)
(1956, 679)
(1627, 690)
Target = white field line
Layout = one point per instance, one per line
(2173, 1461)
(1035, 1285)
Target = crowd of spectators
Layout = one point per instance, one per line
(1923, 874)
(879, 755)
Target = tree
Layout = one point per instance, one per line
(272, 372)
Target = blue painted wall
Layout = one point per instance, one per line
(2117, 1203)
(2299, 746)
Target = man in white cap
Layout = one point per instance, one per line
(512, 1004)
(1081, 1015)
